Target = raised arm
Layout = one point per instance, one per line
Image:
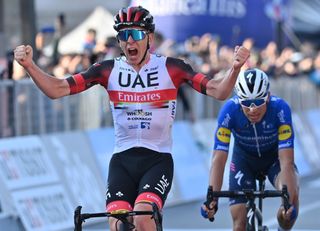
(49, 85)
(222, 87)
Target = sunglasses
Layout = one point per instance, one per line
(135, 34)
(253, 102)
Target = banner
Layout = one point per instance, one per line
(44, 209)
(231, 20)
(45, 178)
(24, 162)
(78, 171)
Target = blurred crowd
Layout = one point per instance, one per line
(205, 53)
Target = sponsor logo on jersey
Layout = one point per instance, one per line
(284, 132)
(281, 116)
(145, 125)
(224, 134)
(223, 148)
(128, 80)
(238, 177)
(134, 126)
(134, 97)
(173, 111)
(139, 112)
(157, 96)
(226, 120)
(162, 185)
(139, 118)
(119, 194)
(287, 144)
(126, 69)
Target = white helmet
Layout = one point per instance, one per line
(252, 84)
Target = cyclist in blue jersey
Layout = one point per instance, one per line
(142, 89)
(263, 134)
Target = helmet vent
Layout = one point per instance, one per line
(240, 85)
(260, 86)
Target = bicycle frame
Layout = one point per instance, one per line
(122, 216)
(253, 212)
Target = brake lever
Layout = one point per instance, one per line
(209, 200)
(285, 194)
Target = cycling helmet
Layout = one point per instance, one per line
(252, 84)
(134, 16)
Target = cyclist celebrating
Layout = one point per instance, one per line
(261, 125)
(142, 88)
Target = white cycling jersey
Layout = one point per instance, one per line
(143, 104)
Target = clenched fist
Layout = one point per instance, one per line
(23, 55)
(240, 56)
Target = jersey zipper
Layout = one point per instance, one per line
(139, 131)
(139, 106)
(256, 136)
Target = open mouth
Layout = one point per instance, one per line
(132, 51)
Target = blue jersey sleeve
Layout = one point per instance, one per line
(223, 131)
(285, 128)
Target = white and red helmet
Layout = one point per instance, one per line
(134, 16)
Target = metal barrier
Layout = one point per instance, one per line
(25, 110)
(299, 92)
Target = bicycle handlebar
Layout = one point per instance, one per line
(79, 217)
(249, 194)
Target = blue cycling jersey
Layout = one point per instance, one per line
(273, 132)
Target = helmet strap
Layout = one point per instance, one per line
(145, 53)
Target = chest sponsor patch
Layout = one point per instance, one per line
(284, 132)
(223, 135)
(142, 97)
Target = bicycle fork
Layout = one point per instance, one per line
(254, 214)
(251, 209)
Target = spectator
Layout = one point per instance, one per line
(268, 57)
(60, 25)
(90, 41)
(112, 48)
(314, 76)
